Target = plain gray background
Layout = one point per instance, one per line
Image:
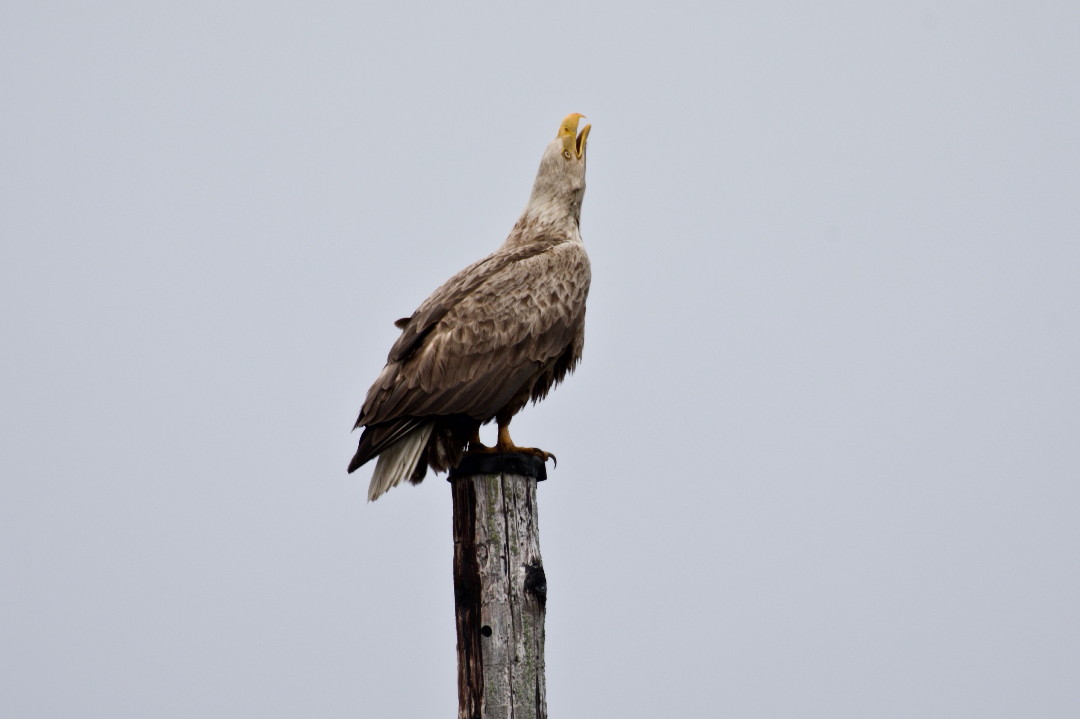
(822, 458)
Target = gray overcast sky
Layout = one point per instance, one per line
(822, 458)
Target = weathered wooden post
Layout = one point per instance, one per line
(500, 589)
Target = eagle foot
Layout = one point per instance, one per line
(534, 451)
(505, 445)
(478, 448)
(475, 446)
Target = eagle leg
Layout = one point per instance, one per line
(475, 445)
(506, 445)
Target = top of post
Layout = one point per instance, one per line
(525, 465)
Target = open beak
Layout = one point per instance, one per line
(572, 141)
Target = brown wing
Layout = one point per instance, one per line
(472, 345)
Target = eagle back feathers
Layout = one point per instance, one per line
(474, 344)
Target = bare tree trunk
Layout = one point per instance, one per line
(499, 587)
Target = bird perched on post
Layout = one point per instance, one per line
(502, 331)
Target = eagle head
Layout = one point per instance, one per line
(560, 181)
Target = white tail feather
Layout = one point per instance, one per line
(398, 461)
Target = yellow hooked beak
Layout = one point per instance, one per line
(573, 143)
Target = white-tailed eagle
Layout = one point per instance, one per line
(502, 331)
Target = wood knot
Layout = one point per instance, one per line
(536, 582)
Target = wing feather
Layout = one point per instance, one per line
(471, 346)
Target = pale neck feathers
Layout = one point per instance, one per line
(554, 207)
